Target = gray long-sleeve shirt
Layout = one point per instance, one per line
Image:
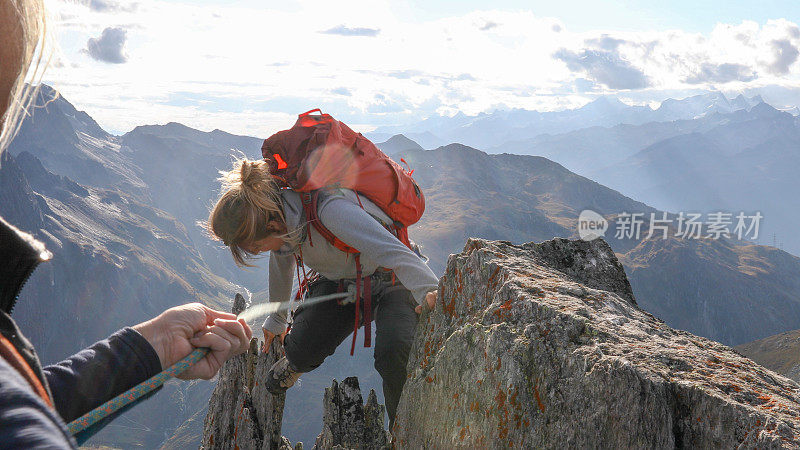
(340, 212)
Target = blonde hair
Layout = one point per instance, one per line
(33, 25)
(250, 199)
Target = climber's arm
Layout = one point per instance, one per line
(281, 272)
(354, 226)
(98, 373)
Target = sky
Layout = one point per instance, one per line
(250, 66)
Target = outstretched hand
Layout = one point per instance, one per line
(430, 299)
(178, 331)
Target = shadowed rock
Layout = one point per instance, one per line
(347, 422)
(239, 304)
(543, 346)
(241, 413)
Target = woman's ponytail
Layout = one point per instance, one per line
(250, 199)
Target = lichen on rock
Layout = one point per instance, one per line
(543, 346)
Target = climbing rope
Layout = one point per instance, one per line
(120, 401)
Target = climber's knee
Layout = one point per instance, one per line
(302, 360)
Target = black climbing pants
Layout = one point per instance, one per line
(319, 328)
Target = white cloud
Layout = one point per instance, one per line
(785, 55)
(263, 64)
(342, 30)
(109, 47)
(605, 67)
(110, 6)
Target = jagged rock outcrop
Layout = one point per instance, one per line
(241, 413)
(348, 423)
(543, 346)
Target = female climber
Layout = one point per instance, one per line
(255, 215)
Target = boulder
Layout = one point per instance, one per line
(543, 346)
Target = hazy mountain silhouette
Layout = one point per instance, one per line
(747, 163)
(780, 353)
(488, 130)
(398, 143)
(743, 160)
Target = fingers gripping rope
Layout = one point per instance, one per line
(120, 401)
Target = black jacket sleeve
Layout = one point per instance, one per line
(78, 385)
(99, 373)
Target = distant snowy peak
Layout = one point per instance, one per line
(763, 110)
(741, 102)
(700, 105)
(491, 129)
(604, 104)
(756, 100)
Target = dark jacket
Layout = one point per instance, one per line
(74, 386)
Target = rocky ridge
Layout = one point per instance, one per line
(348, 423)
(543, 346)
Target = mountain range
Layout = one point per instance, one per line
(740, 161)
(519, 198)
(120, 213)
(488, 130)
(705, 153)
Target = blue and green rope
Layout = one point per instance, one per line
(132, 394)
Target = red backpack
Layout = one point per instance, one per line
(320, 152)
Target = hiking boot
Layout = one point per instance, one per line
(281, 377)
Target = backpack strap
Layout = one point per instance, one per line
(307, 278)
(367, 311)
(10, 353)
(367, 297)
(310, 200)
(358, 303)
(311, 214)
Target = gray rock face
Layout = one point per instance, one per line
(241, 413)
(347, 422)
(543, 346)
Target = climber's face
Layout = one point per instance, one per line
(275, 228)
(263, 245)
